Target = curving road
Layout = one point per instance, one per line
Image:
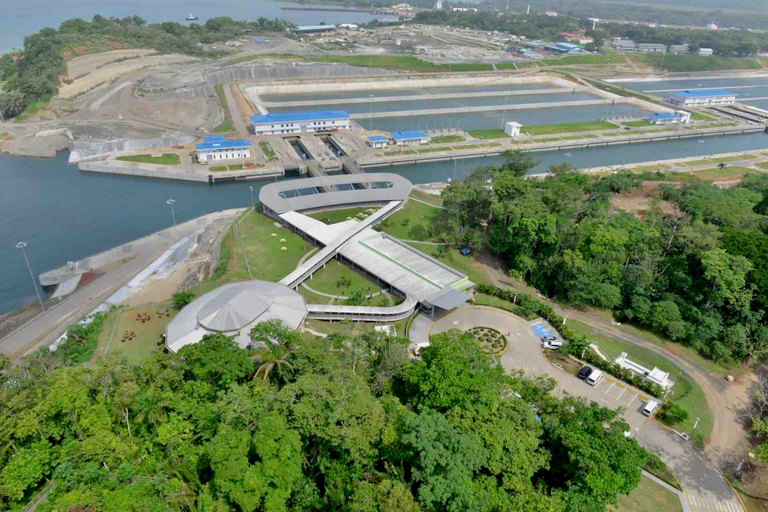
(705, 489)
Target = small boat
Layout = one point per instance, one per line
(190, 17)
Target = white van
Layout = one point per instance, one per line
(650, 406)
(595, 377)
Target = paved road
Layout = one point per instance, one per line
(49, 326)
(234, 112)
(704, 487)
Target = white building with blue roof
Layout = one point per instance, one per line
(410, 137)
(283, 123)
(701, 98)
(216, 147)
(679, 116)
(378, 141)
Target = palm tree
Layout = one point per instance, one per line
(149, 408)
(274, 358)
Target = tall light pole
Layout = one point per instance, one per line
(251, 187)
(173, 216)
(370, 115)
(22, 245)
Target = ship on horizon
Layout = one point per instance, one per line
(191, 17)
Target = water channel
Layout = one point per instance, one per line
(64, 214)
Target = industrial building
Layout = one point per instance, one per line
(378, 141)
(410, 137)
(650, 48)
(702, 98)
(216, 147)
(300, 122)
(565, 48)
(679, 49)
(677, 117)
(623, 45)
(706, 52)
(315, 29)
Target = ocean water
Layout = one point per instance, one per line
(23, 18)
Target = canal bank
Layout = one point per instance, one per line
(65, 215)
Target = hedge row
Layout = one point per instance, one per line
(578, 342)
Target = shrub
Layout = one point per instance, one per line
(182, 298)
(672, 413)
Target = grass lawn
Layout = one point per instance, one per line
(267, 149)
(581, 59)
(219, 168)
(648, 497)
(685, 392)
(650, 168)
(412, 222)
(399, 62)
(312, 298)
(326, 280)
(147, 333)
(488, 134)
(334, 216)
(721, 160)
(446, 138)
(166, 159)
(687, 63)
(223, 127)
(351, 328)
(430, 198)
(454, 259)
(732, 172)
(586, 126)
(482, 299)
(638, 124)
(762, 165)
(698, 116)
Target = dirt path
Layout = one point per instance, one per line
(726, 402)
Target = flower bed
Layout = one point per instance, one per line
(491, 339)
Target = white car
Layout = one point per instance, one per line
(551, 344)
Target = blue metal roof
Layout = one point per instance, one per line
(219, 142)
(569, 46)
(306, 28)
(703, 94)
(378, 138)
(308, 115)
(409, 134)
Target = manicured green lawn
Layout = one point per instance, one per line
(334, 216)
(648, 496)
(650, 168)
(223, 127)
(399, 62)
(147, 333)
(685, 392)
(638, 124)
(721, 160)
(581, 59)
(732, 172)
(351, 328)
(219, 168)
(446, 138)
(454, 259)
(698, 116)
(482, 299)
(166, 159)
(430, 198)
(267, 149)
(586, 126)
(489, 134)
(327, 280)
(686, 63)
(312, 298)
(412, 222)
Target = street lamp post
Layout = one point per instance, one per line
(173, 216)
(22, 245)
(370, 114)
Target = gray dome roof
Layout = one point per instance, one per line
(233, 309)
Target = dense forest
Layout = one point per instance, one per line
(347, 423)
(729, 43)
(34, 72)
(693, 268)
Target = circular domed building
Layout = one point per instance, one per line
(234, 309)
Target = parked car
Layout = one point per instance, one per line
(548, 338)
(584, 372)
(594, 378)
(650, 406)
(552, 345)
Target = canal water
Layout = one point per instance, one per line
(744, 88)
(64, 214)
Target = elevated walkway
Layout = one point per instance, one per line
(311, 266)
